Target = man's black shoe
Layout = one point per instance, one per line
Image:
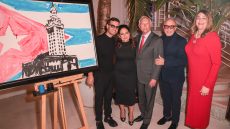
(100, 125)
(138, 119)
(163, 120)
(144, 126)
(110, 121)
(173, 126)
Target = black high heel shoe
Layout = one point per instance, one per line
(131, 123)
(123, 119)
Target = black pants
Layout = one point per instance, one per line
(146, 96)
(171, 94)
(103, 83)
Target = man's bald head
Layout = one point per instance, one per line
(171, 20)
(169, 26)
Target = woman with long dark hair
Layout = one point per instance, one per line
(125, 73)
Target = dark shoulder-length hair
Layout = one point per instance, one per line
(131, 40)
(209, 27)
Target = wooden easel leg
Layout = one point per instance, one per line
(79, 101)
(62, 107)
(59, 84)
(55, 110)
(43, 112)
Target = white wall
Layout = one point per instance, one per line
(95, 4)
(118, 9)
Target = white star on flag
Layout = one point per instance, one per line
(9, 41)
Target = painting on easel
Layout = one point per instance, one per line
(45, 39)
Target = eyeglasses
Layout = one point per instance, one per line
(113, 26)
(169, 27)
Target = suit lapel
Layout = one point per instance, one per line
(138, 40)
(138, 43)
(146, 44)
(147, 41)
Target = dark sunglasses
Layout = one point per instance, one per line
(169, 27)
(113, 26)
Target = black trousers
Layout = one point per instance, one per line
(171, 94)
(146, 96)
(103, 85)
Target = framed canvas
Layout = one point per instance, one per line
(45, 39)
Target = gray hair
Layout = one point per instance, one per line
(144, 17)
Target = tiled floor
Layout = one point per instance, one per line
(22, 112)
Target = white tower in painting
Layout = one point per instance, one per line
(55, 29)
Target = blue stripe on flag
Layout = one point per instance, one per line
(82, 64)
(16, 77)
(79, 36)
(87, 62)
(42, 6)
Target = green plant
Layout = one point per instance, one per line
(220, 9)
(103, 14)
(137, 8)
(186, 10)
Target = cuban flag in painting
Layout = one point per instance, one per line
(23, 34)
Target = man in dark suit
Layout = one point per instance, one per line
(172, 75)
(149, 46)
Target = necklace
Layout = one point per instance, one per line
(194, 40)
(196, 36)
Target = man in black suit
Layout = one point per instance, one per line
(172, 75)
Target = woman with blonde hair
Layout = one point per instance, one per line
(204, 59)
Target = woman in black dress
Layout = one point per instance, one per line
(125, 73)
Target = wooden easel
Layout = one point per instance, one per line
(59, 84)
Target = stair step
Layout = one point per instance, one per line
(223, 104)
(223, 80)
(221, 86)
(218, 111)
(222, 92)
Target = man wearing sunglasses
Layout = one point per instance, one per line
(172, 76)
(103, 77)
